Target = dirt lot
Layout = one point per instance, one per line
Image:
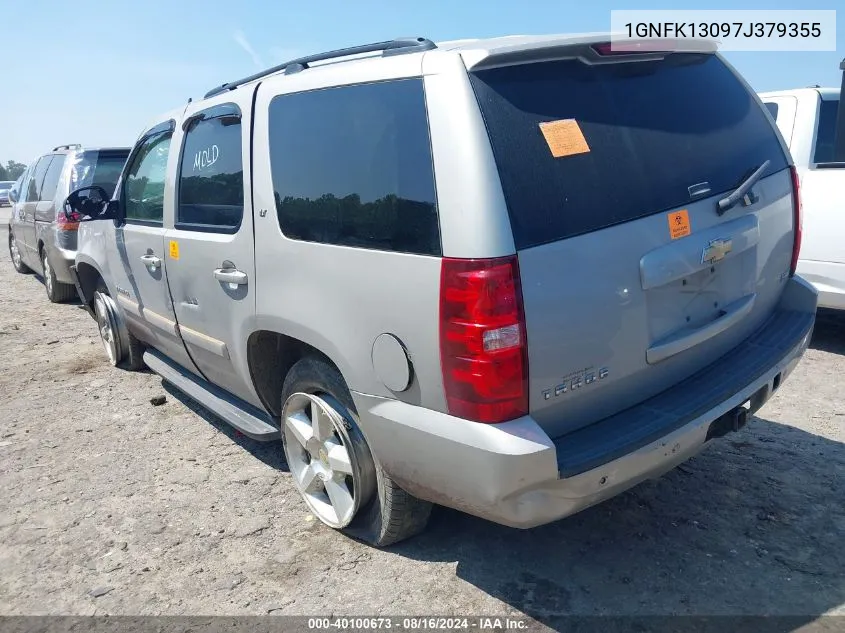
(113, 506)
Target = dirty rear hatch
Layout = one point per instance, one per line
(612, 169)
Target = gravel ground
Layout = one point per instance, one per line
(113, 506)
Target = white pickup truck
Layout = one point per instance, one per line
(807, 120)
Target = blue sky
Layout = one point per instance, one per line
(95, 72)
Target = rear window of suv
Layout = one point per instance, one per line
(100, 168)
(652, 129)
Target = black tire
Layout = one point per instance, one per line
(391, 514)
(57, 292)
(17, 262)
(132, 349)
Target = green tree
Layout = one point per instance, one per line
(13, 170)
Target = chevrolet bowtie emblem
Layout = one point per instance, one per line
(716, 250)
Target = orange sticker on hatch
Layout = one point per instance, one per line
(174, 249)
(679, 225)
(564, 137)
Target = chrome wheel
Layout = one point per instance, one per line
(322, 463)
(105, 325)
(15, 252)
(48, 274)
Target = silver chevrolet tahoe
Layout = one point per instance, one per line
(513, 276)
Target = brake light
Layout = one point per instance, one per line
(64, 223)
(483, 349)
(798, 219)
(629, 48)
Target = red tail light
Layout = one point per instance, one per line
(64, 223)
(483, 349)
(798, 220)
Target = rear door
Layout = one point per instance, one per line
(138, 268)
(210, 246)
(612, 169)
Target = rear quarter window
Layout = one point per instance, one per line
(826, 131)
(33, 193)
(352, 166)
(654, 129)
(51, 178)
(97, 168)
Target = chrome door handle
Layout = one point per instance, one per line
(231, 276)
(151, 262)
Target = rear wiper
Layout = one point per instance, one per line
(731, 201)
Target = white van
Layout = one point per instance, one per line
(807, 121)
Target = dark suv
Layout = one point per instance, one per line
(40, 236)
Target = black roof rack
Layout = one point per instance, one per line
(71, 146)
(391, 47)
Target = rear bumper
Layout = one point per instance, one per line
(514, 474)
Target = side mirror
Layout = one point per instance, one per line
(13, 195)
(89, 203)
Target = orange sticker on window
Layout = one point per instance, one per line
(564, 137)
(679, 225)
(174, 249)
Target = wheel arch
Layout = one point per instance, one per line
(88, 273)
(271, 355)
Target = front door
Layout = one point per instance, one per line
(138, 269)
(210, 249)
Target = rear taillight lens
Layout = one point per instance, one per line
(798, 220)
(67, 223)
(483, 350)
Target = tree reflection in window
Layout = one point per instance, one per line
(352, 166)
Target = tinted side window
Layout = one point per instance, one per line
(825, 132)
(352, 166)
(51, 179)
(33, 192)
(211, 174)
(143, 189)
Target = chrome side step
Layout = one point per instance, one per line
(244, 417)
